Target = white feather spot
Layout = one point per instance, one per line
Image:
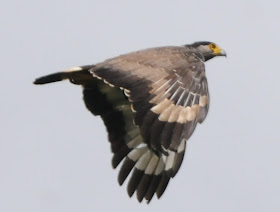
(192, 112)
(105, 81)
(161, 106)
(183, 115)
(137, 153)
(143, 161)
(175, 113)
(160, 166)
(203, 101)
(164, 116)
(182, 146)
(127, 92)
(170, 160)
(73, 69)
(132, 108)
(152, 165)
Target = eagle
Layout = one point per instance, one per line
(150, 102)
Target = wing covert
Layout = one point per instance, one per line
(168, 91)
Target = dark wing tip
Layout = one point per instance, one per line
(127, 166)
(134, 181)
(163, 183)
(143, 186)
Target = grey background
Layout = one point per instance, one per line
(54, 155)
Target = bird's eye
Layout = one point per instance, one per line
(212, 46)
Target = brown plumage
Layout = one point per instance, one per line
(150, 102)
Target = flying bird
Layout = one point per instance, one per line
(150, 102)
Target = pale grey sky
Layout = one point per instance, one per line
(54, 155)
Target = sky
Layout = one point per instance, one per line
(54, 155)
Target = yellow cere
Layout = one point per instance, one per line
(216, 49)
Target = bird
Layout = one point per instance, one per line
(150, 102)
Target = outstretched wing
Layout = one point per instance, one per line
(150, 102)
(166, 95)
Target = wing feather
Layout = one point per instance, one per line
(168, 94)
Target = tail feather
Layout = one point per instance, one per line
(50, 78)
(59, 76)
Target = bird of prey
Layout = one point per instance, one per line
(150, 102)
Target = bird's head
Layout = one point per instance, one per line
(209, 49)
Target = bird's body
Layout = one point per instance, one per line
(150, 102)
